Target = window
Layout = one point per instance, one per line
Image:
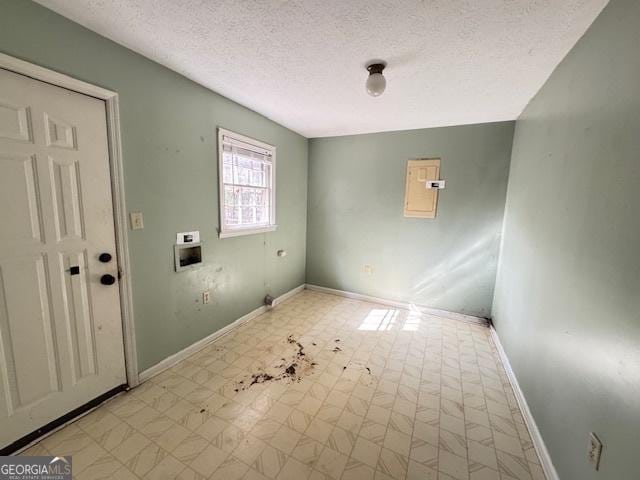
(247, 185)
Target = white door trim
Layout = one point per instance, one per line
(110, 98)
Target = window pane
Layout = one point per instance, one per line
(257, 178)
(267, 176)
(232, 215)
(229, 197)
(243, 161)
(248, 215)
(227, 168)
(248, 196)
(241, 175)
(243, 171)
(261, 215)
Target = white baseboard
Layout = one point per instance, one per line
(536, 437)
(200, 344)
(395, 303)
(287, 295)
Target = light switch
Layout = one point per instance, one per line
(137, 222)
(437, 184)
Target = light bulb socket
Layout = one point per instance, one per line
(376, 68)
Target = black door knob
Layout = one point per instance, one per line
(105, 257)
(107, 279)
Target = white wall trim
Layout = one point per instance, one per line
(536, 437)
(54, 78)
(396, 303)
(287, 295)
(200, 344)
(122, 242)
(246, 231)
(117, 188)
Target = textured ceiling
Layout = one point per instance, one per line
(301, 62)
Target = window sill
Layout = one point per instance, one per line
(248, 231)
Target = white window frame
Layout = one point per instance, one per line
(225, 231)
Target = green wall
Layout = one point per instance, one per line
(355, 215)
(567, 301)
(170, 154)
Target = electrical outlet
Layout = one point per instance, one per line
(368, 269)
(206, 296)
(137, 222)
(595, 450)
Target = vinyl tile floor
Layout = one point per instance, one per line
(321, 387)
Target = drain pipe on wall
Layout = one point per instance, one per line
(268, 301)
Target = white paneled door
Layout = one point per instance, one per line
(61, 339)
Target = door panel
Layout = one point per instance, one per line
(29, 359)
(65, 181)
(14, 122)
(21, 222)
(59, 133)
(60, 329)
(78, 315)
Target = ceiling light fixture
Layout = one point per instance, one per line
(376, 83)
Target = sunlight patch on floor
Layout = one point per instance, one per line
(379, 319)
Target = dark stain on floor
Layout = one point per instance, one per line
(291, 368)
(260, 378)
(357, 364)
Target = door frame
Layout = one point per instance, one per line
(116, 170)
